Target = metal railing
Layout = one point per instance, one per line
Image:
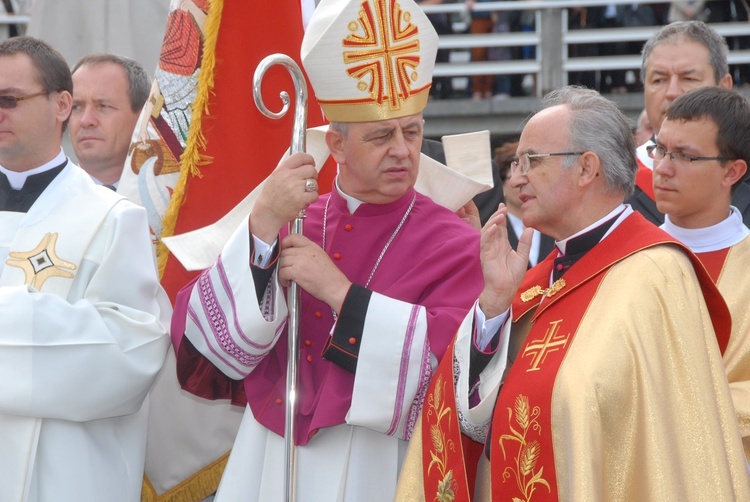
(551, 39)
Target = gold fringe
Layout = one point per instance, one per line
(194, 489)
(192, 157)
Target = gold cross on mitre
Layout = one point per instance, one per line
(535, 291)
(384, 51)
(551, 342)
(41, 263)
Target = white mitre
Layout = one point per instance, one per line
(369, 60)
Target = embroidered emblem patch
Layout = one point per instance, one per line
(41, 263)
(553, 341)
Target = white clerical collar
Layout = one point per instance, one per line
(351, 202)
(724, 234)
(642, 153)
(17, 180)
(623, 210)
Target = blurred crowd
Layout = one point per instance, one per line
(477, 21)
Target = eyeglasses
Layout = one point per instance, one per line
(12, 101)
(658, 153)
(523, 163)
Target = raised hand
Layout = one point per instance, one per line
(502, 267)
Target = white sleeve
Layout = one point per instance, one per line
(224, 321)
(478, 417)
(393, 369)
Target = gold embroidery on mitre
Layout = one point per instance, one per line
(525, 473)
(532, 293)
(41, 263)
(551, 342)
(385, 52)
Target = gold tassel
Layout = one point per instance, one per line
(191, 157)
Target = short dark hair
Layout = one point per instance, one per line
(504, 155)
(139, 83)
(690, 31)
(53, 71)
(727, 109)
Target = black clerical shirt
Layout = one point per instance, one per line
(21, 200)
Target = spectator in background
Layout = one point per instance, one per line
(582, 18)
(643, 130)
(108, 94)
(481, 22)
(687, 10)
(501, 24)
(541, 244)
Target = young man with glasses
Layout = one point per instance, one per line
(81, 339)
(613, 387)
(700, 157)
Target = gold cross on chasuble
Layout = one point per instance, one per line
(41, 263)
(387, 58)
(551, 342)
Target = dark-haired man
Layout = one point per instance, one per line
(81, 337)
(700, 157)
(108, 94)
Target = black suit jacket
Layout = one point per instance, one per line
(644, 204)
(546, 244)
(486, 202)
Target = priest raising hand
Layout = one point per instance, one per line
(603, 378)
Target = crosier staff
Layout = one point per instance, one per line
(293, 293)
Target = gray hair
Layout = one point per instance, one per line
(139, 83)
(690, 31)
(340, 127)
(598, 126)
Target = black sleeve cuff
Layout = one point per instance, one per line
(261, 276)
(342, 348)
(479, 360)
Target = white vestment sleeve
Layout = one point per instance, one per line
(224, 321)
(393, 368)
(477, 418)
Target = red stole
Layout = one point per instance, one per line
(522, 451)
(449, 458)
(644, 179)
(714, 262)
